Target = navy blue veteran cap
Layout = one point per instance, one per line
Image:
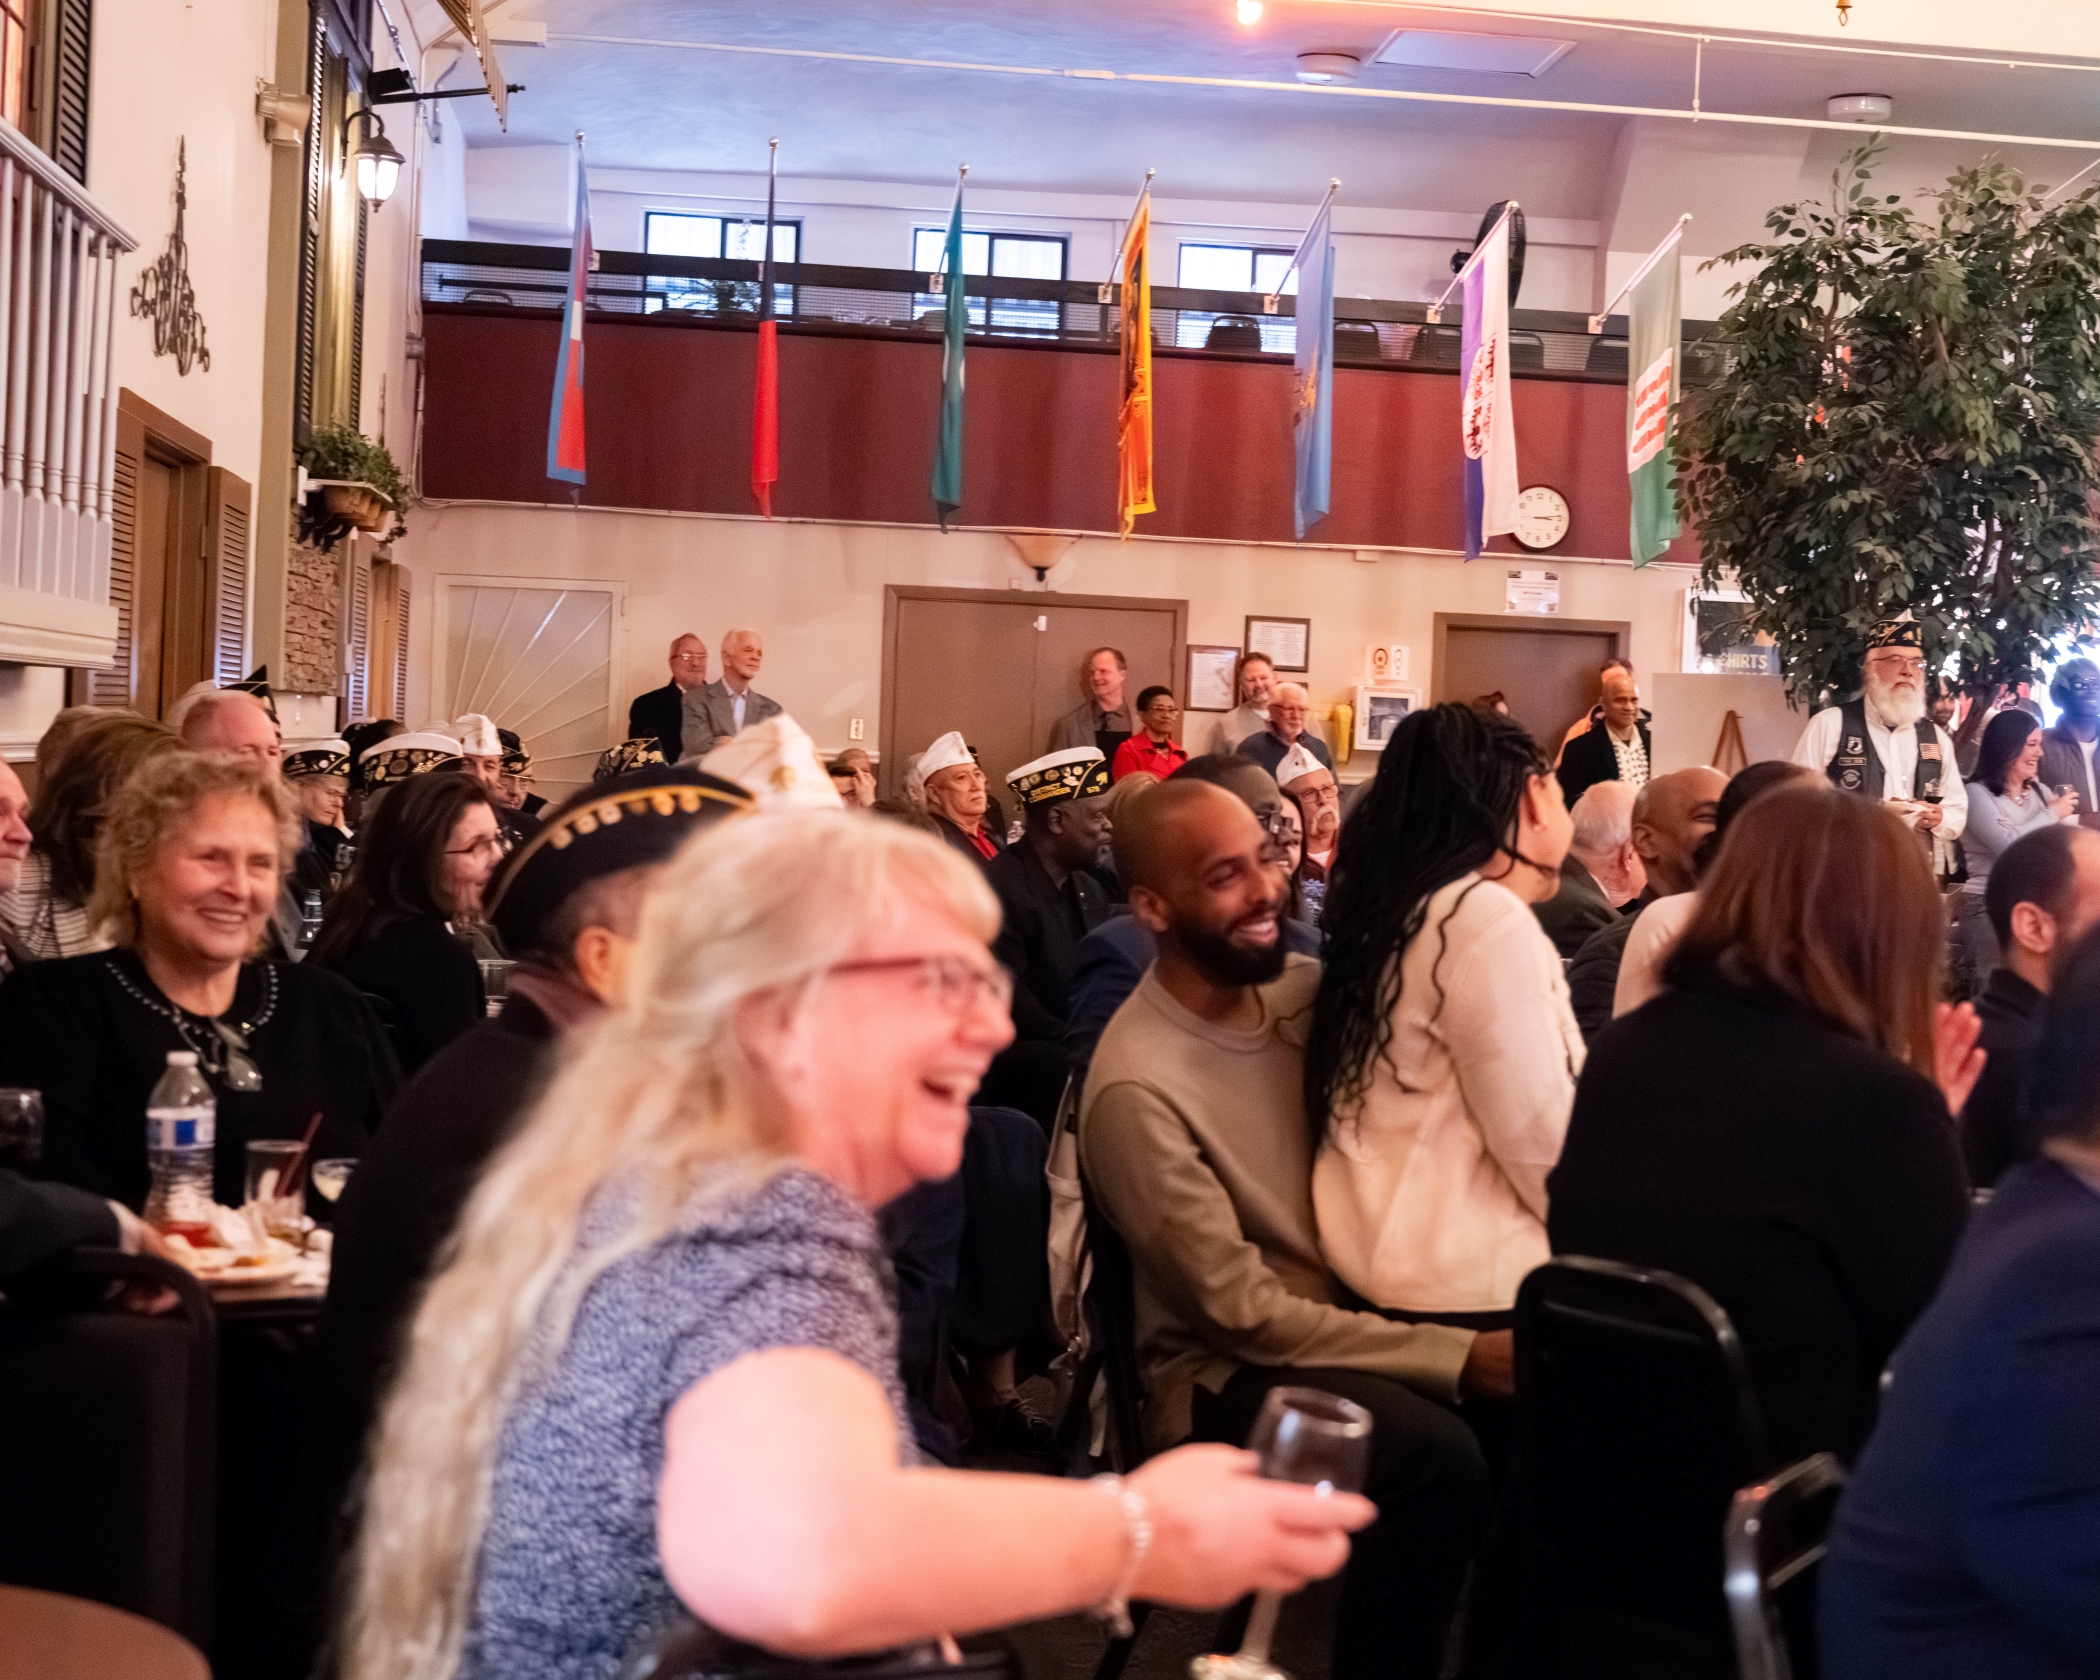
(626, 757)
(623, 823)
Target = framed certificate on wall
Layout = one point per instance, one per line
(1209, 685)
(1287, 641)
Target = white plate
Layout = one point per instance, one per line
(271, 1271)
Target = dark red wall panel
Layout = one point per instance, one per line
(669, 426)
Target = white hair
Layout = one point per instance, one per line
(1281, 689)
(200, 700)
(1604, 818)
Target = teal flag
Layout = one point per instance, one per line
(1653, 333)
(948, 458)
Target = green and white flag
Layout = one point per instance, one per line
(1654, 332)
(948, 456)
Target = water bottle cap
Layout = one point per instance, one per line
(182, 1058)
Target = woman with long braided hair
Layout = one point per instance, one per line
(1441, 1063)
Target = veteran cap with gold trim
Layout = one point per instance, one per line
(627, 822)
(635, 754)
(317, 758)
(1902, 631)
(1074, 773)
(401, 756)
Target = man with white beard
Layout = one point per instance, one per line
(1882, 745)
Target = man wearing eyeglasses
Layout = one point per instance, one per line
(660, 714)
(1882, 745)
(2067, 750)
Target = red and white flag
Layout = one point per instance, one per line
(565, 421)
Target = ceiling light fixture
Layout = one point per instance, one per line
(1328, 67)
(1248, 11)
(1860, 107)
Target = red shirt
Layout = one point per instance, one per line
(1141, 752)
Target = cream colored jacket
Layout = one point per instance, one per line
(1433, 1197)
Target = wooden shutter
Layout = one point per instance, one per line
(71, 25)
(357, 627)
(114, 683)
(400, 642)
(227, 507)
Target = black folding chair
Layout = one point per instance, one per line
(108, 1432)
(1636, 1423)
(1775, 1539)
(1233, 332)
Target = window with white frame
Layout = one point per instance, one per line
(1236, 268)
(667, 233)
(1007, 256)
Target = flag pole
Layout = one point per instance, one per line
(1435, 312)
(765, 387)
(1655, 256)
(1268, 302)
(1127, 220)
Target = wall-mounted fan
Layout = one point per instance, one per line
(1516, 246)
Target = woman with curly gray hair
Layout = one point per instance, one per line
(188, 859)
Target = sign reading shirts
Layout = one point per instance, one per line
(1653, 332)
(1487, 427)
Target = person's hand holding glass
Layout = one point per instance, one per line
(1307, 1436)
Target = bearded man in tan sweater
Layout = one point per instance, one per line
(1194, 1144)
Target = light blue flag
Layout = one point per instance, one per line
(1314, 383)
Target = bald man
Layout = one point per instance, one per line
(1671, 815)
(229, 720)
(730, 705)
(1194, 1143)
(659, 715)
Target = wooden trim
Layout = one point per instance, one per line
(177, 442)
(229, 507)
(1620, 629)
(891, 764)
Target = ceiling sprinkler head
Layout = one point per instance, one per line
(1248, 11)
(1328, 67)
(1860, 107)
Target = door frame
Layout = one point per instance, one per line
(1619, 629)
(895, 593)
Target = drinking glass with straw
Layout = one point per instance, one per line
(1302, 1435)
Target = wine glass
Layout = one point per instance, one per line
(1302, 1435)
(21, 1128)
(329, 1177)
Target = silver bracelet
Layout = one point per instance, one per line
(1115, 1609)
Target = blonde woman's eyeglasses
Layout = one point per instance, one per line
(954, 982)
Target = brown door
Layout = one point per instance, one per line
(169, 564)
(1004, 667)
(1546, 669)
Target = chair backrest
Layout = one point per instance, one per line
(1233, 332)
(1775, 1539)
(1111, 1301)
(1636, 1423)
(1357, 339)
(108, 1439)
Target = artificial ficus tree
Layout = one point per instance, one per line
(1910, 419)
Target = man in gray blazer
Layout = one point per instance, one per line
(1104, 720)
(717, 710)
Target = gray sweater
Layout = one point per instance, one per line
(568, 1578)
(1995, 822)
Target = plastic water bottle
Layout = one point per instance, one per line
(181, 1126)
(309, 918)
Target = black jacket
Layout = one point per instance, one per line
(40, 1221)
(1577, 909)
(93, 1032)
(1589, 759)
(1593, 972)
(659, 713)
(1992, 1136)
(1808, 1182)
(955, 837)
(1040, 927)
(422, 983)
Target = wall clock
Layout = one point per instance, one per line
(1542, 517)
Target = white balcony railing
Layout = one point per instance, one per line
(58, 411)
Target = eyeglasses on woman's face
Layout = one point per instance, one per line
(953, 982)
(483, 846)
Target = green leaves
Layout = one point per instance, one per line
(1910, 420)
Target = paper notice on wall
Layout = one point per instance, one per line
(1532, 591)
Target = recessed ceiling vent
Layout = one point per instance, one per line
(1328, 67)
(1449, 49)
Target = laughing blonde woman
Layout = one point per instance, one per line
(661, 1364)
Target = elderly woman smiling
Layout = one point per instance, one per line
(188, 861)
(661, 1365)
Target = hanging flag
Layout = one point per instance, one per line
(948, 457)
(1134, 418)
(765, 393)
(1487, 428)
(565, 421)
(1653, 332)
(1314, 381)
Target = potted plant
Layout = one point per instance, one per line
(356, 481)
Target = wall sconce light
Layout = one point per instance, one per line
(378, 164)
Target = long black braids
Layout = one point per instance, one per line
(1445, 801)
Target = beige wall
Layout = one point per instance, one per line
(816, 591)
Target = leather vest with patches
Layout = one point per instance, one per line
(1856, 766)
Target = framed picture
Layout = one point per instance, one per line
(1719, 639)
(1287, 641)
(1378, 713)
(1210, 679)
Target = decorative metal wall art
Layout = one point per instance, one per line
(164, 295)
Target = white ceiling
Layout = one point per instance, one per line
(661, 107)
